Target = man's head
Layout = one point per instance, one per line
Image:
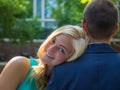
(100, 19)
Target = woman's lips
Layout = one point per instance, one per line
(49, 55)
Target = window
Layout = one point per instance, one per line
(42, 10)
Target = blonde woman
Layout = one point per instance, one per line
(64, 44)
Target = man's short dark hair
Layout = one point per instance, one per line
(101, 17)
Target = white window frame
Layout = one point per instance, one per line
(42, 19)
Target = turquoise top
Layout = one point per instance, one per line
(28, 83)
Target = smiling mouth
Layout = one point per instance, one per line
(50, 56)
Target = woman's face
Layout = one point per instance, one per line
(58, 50)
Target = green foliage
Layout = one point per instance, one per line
(25, 30)
(30, 30)
(13, 14)
(44, 32)
(12, 21)
(68, 12)
(85, 1)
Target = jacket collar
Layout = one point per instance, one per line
(100, 48)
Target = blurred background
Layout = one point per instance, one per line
(25, 24)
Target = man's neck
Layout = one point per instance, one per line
(100, 41)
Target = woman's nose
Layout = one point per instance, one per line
(52, 48)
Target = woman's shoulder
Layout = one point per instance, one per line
(28, 81)
(21, 60)
(15, 71)
(20, 63)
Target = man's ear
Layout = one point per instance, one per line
(115, 30)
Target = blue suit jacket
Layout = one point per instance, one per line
(97, 69)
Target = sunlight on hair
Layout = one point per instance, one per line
(85, 1)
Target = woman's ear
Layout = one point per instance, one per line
(84, 25)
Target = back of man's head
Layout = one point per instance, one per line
(101, 17)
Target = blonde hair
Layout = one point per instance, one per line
(80, 42)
